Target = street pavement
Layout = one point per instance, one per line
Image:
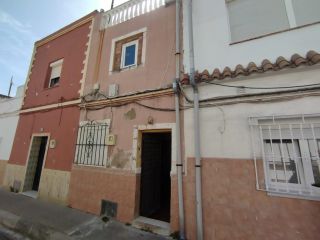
(23, 218)
(6, 234)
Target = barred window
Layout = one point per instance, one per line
(290, 149)
(91, 148)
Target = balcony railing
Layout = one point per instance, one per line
(129, 10)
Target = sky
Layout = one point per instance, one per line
(22, 22)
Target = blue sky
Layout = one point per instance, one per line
(22, 22)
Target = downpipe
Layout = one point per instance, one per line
(179, 164)
(198, 173)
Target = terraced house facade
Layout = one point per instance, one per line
(43, 149)
(198, 117)
(125, 151)
(257, 78)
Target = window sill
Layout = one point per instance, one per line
(128, 67)
(273, 33)
(49, 88)
(133, 67)
(292, 194)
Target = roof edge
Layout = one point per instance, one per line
(311, 58)
(66, 29)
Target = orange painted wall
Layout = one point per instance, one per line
(71, 47)
(233, 209)
(61, 123)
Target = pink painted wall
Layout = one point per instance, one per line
(123, 126)
(159, 67)
(122, 184)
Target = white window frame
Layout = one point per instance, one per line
(303, 164)
(53, 65)
(115, 40)
(290, 14)
(123, 54)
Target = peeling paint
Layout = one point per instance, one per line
(130, 115)
(121, 159)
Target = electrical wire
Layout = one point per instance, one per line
(248, 87)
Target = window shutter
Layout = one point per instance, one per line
(56, 71)
(253, 18)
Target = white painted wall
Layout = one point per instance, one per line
(235, 141)
(9, 116)
(212, 40)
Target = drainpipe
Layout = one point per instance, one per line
(177, 108)
(196, 126)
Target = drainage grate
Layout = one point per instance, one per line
(108, 208)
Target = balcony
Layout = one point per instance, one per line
(130, 10)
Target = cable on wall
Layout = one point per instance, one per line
(248, 87)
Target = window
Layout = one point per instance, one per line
(128, 51)
(91, 148)
(253, 18)
(306, 11)
(129, 54)
(55, 73)
(290, 150)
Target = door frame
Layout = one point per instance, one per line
(137, 150)
(29, 152)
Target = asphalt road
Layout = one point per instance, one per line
(6, 234)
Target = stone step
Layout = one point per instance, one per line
(152, 225)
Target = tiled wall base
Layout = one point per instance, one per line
(234, 209)
(13, 172)
(54, 185)
(3, 164)
(88, 186)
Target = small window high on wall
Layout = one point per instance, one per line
(128, 51)
(129, 54)
(253, 18)
(55, 73)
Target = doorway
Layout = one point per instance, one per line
(155, 191)
(35, 163)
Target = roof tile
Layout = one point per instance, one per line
(240, 70)
(298, 60)
(282, 62)
(252, 68)
(312, 57)
(266, 65)
(227, 72)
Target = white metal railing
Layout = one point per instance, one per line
(129, 10)
(290, 149)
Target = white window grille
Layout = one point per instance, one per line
(290, 149)
(254, 18)
(91, 148)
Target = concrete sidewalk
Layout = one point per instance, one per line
(41, 220)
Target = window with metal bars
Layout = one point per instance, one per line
(91, 148)
(290, 150)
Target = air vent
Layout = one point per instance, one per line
(108, 208)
